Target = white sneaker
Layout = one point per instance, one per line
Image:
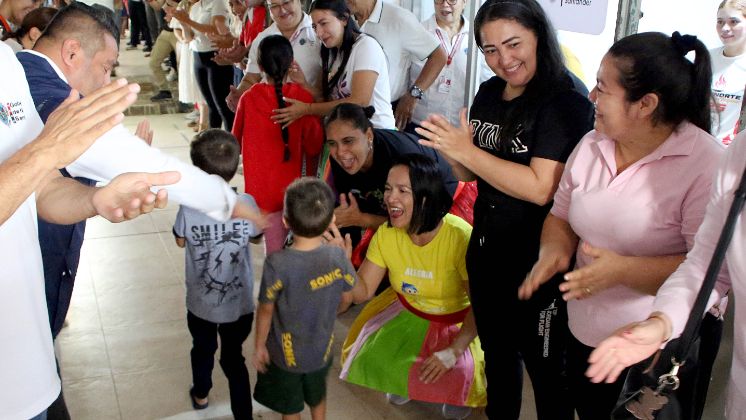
(165, 66)
(396, 399)
(455, 411)
(192, 116)
(172, 75)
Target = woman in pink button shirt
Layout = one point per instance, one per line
(631, 197)
(676, 297)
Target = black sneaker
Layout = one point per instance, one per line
(163, 95)
(147, 49)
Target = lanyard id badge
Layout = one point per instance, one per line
(6, 26)
(445, 80)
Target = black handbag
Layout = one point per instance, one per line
(649, 391)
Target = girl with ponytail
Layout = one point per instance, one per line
(273, 155)
(631, 198)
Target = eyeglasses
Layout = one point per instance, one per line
(284, 4)
(450, 2)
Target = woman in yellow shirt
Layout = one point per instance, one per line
(417, 340)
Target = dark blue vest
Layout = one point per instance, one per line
(60, 244)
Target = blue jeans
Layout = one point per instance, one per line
(237, 76)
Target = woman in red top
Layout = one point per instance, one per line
(273, 156)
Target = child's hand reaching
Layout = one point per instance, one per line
(260, 359)
(334, 237)
(244, 211)
(261, 220)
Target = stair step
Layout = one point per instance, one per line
(153, 108)
(144, 106)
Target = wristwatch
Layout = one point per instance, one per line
(416, 92)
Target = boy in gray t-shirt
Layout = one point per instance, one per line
(219, 280)
(302, 287)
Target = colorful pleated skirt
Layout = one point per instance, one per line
(387, 345)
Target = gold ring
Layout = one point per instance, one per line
(587, 291)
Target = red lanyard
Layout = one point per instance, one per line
(455, 48)
(6, 25)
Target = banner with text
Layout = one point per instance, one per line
(585, 16)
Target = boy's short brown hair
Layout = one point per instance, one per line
(216, 152)
(309, 207)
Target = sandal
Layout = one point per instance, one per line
(195, 404)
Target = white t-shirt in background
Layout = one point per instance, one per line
(728, 81)
(446, 95)
(202, 12)
(28, 372)
(366, 54)
(402, 38)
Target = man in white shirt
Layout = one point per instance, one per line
(64, 55)
(165, 44)
(78, 50)
(446, 95)
(30, 182)
(388, 24)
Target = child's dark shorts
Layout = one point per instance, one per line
(285, 392)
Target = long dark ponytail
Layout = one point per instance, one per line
(328, 55)
(275, 58)
(652, 62)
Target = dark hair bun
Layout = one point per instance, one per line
(369, 111)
